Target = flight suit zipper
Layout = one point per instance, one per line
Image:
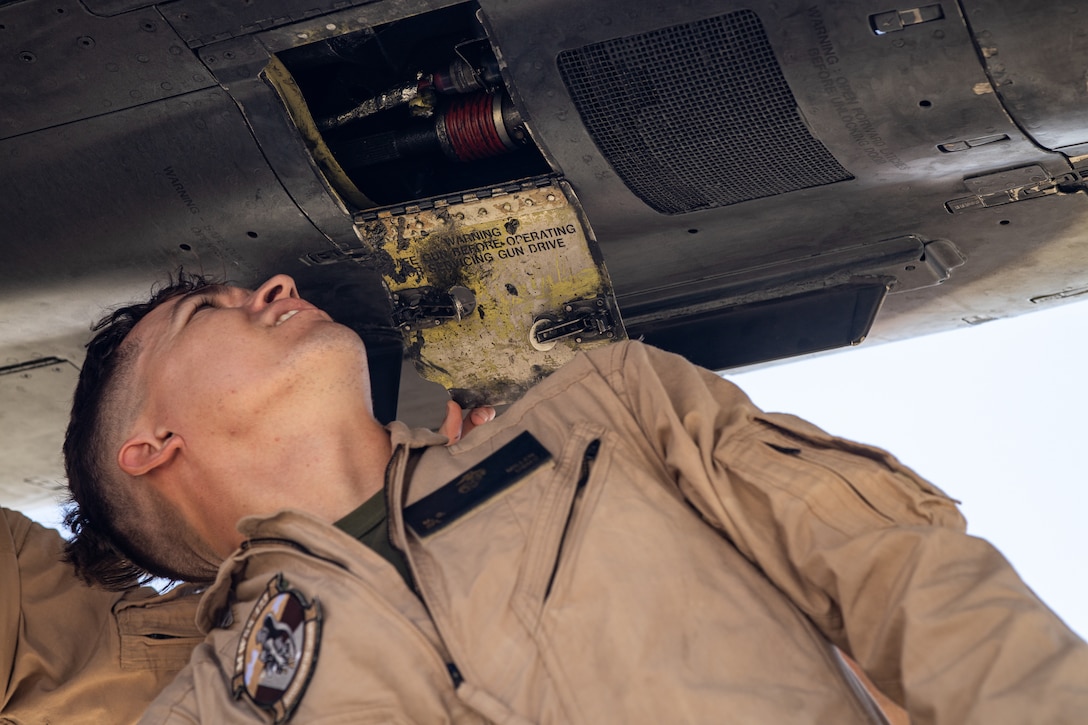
(451, 668)
(587, 462)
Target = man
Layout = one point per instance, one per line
(72, 652)
(633, 541)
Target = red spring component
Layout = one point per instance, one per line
(470, 125)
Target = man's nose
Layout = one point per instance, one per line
(274, 288)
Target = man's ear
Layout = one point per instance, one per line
(144, 452)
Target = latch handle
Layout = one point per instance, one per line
(579, 319)
(421, 307)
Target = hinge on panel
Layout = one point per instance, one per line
(466, 197)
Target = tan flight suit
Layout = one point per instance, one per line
(72, 654)
(632, 542)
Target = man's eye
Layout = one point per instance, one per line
(201, 304)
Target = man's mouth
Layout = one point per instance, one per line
(286, 316)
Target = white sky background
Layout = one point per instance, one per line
(993, 414)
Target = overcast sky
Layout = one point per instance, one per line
(994, 415)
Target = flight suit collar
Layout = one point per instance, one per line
(322, 539)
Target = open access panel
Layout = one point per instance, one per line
(493, 289)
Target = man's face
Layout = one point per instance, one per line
(224, 361)
(233, 394)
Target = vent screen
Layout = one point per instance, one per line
(697, 116)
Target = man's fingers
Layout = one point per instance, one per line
(452, 426)
(457, 424)
(478, 416)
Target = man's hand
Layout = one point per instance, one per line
(457, 425)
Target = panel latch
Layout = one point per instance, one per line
(421, 307)
(587, 319)
(894, 20)
(1006, 187)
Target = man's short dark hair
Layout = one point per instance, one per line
(100, 552)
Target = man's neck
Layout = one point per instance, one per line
(326, 471)
(337, 475)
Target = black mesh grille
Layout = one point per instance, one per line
(696, 116)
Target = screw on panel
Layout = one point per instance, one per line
(85, 41)
(27, 57)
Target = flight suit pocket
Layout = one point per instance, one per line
(552, 532)
(855, 481)
(158, 633)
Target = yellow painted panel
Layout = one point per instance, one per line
(524, 255)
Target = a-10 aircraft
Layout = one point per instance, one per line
(486, 187)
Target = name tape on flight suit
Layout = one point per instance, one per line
(503, 468)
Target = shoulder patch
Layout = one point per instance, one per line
(278, 650)
(503, 468)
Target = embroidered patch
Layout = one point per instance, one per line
(503, 468)
(278, 650)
